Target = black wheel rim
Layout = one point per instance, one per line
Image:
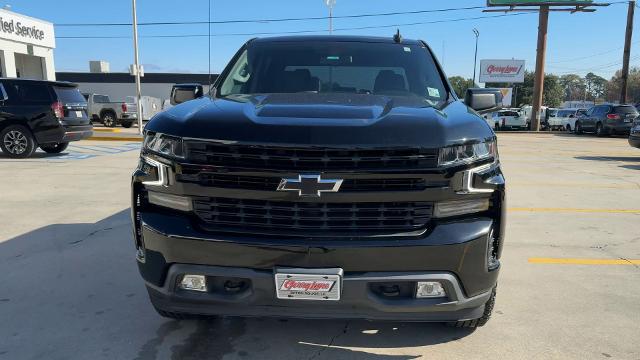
(15, 142)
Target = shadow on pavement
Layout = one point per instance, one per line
(626, 159)
(72, 291)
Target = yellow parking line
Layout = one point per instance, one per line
(106, 130)
(610, 211)
(577, 185)
(583, 261)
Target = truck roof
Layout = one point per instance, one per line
(338, 38)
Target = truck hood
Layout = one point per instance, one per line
(323, 120)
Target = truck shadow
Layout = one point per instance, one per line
(64, 282)
(635, 160)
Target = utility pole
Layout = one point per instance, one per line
(330, 4)
(627, 52)
(475, 57)
(538, 84)
(137, 66)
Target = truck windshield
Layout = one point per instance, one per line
(336, 67)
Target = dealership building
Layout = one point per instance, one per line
(26, 47)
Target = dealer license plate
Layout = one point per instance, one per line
(309, 284)
(79, 114)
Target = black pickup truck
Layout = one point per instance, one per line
(323, 177)
(38, 113)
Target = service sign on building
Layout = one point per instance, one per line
(20, 28)
(501, 71)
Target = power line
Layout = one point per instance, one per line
(244, 21)
(300, 31)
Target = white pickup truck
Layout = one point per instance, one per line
(506, 119)
(110, 113)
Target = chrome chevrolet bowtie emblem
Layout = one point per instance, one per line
(310, 185)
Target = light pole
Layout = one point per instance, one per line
(475, 58)
(330, 4)
(137, 66)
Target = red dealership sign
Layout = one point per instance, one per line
(502, 71)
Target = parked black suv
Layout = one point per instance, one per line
(607, 119)
(324, 177)
(47, 114)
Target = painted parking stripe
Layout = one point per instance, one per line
(569, 261)
(576, 185)
(575, 210)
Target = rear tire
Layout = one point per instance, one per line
(17, 142)
(54, 148)
(568, 128)
(578, 129)
(599, 130)
(109, 119)
(127, 124)
(486, 315)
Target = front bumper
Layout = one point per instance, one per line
(454, 253)
(358, 300)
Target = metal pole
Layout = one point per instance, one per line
(475, 57)
(330, 19)
(627, 52)
(538, 85)
(137, 66)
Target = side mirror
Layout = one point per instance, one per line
(572, 116)
(483, 100)
(184, 92)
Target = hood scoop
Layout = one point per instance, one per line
(321, 106)
(317, 112)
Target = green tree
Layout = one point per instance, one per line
(574, 86)
(595, 86)
(554, 92)
(460, 85)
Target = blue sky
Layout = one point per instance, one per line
(577, 42)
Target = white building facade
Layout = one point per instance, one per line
(26, 47)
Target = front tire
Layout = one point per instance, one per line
(54, 148)
(568, 128)
(17, 142)
(486, 315)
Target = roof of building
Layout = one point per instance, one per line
(170, 78)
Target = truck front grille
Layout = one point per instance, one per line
(307, 159)
(312, 219)
(270, 183)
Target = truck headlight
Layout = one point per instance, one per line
(464, 154)
(164, 145)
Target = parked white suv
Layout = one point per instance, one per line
(565, 119)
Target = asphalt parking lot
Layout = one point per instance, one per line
(569, 286)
